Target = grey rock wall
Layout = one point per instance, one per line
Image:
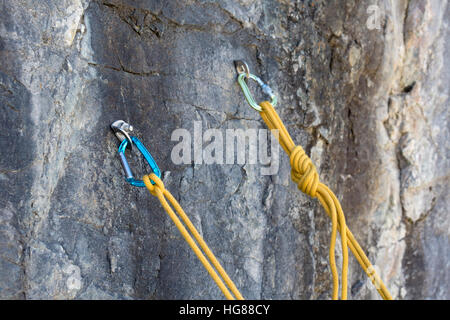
(362, 86)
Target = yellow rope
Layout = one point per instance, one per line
(305, 175)
(161, 193)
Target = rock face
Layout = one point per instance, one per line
(363, 88)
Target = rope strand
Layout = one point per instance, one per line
(305, 175)
(162, 193)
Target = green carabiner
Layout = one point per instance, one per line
(244, 73)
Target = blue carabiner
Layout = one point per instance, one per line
(123, 135)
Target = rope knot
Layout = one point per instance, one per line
(159, 185)
(303, 172)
